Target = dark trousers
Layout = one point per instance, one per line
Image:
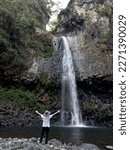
(46, 131)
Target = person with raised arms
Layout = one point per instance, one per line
(46, 124)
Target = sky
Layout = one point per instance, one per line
(62, 5)
(63, 2)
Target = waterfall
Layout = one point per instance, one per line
(71, 113)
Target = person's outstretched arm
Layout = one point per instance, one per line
(38, 113)
(55, 113)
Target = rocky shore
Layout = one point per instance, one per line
(32, 144)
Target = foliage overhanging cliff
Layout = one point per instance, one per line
(19, 42)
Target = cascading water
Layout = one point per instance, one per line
(71, 114)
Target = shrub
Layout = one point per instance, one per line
(20, 97)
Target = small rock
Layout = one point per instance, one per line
(109, 147)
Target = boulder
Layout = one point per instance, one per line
(86, 146)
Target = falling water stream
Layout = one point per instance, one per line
(71, 113)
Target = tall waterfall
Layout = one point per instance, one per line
(71, 114)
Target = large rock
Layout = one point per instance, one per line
(86, 146)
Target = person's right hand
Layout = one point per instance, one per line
(36, 111)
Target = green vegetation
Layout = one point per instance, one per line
(90, 106)
(54, 25)
(44, 49)
(46, 82)
(19, 44)
(18, 40)
(20, 97)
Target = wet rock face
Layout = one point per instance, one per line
(96, 102)
(52, 67)
(11, 115)
(90, 61)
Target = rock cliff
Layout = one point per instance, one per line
(88, 26)
(33, 60)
